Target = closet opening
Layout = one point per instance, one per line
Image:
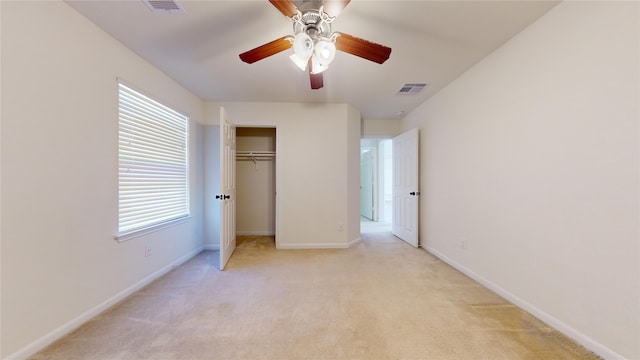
(255, 186)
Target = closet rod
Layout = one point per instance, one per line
(255, 153)
(255, 156)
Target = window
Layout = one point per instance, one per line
(153, 182)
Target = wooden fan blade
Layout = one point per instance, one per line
(334, 7)
(362, 48)
(266, 50)
(316, 80)
(286, 7)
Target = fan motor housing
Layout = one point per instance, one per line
(314, 22)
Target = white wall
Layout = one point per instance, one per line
(317, 163)
(60, 262)
(352, 189)
(532, 157)
(381, 128)
(211, 187)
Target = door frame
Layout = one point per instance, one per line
(276, 174)
(277, 171)
(374, 181)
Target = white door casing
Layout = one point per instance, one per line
(405, 187)
(367, 202)
(227, 195)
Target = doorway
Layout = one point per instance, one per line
(376, 174)
(256, 185)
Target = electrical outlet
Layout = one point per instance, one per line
(340, 227)
(148, 251)
(463, 244)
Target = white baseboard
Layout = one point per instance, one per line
(354, 242)
(254, 233)
(310, 246)
(557, 324)
(317, 245)
(211, 247)
(68, 327)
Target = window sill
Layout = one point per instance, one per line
(125, 236)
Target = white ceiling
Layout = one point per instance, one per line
(433, 42)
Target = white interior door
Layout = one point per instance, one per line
(227, 195)
(405, 187)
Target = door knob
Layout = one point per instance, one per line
(414, 193)
(222, 197)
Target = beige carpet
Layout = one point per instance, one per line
(380, 299)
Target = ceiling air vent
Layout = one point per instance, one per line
(411, 89)
(164, 6)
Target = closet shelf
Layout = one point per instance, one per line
(255, 152)
(255, 155)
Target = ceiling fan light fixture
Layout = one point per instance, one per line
(316, 66)
(303, 45)
(324, 51)
(314, 44)
(302, 50)
(300, 62)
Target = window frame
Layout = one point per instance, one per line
(178, 124)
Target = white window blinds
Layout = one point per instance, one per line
(153, 163)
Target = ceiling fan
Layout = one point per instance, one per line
(314, 44)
